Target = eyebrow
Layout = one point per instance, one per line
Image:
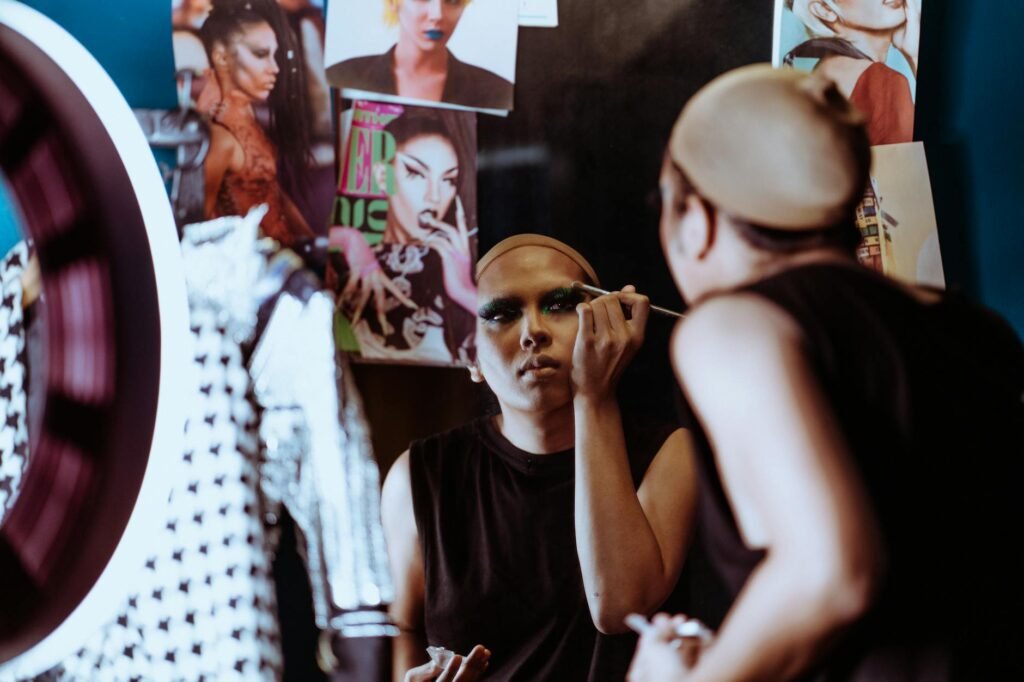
(563, 294)
(407, 154)
(515, 302)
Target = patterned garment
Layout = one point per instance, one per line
(204, 607)
(13, 398)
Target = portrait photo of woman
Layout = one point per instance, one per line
(411, 297)
(868, 47)
(400, 49)
(257, 105)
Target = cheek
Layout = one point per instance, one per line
(405, 193)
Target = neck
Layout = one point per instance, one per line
(539, 434)
(234, 102)
(410, 58)
(746, 264)
(874, 44)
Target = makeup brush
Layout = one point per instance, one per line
(594, 291)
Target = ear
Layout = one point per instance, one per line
(219, 55)
(698, 226)
(823, 12)
(475, 375)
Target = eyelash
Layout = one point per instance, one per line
(506, 315)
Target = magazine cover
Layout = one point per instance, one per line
(897, 217)
(404, 235)
(253, 69)
(445, 53)
(868, 47)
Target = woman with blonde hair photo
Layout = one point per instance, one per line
(419, 66)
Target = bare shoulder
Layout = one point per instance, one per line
(397, 491)
(729, 323)
(224, 145)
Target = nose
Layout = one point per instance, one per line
(272, 67)
(534, 333)
(433, 195)
(434, 9)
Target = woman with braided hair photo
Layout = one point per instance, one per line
(256, 100)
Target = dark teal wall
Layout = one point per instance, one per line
(130, 38)
(969, 115)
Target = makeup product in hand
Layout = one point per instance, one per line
(440, 656)
(594, 291)
(689, 631)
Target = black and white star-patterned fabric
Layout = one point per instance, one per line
(280, 427)
(205, 606)
(13, 396)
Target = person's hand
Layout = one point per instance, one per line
(460, 669)
(661, 655)
(907, 38)
(454, 246)
(365, 277)
(606, 341)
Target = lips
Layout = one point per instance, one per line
(426, 219)
(537, 363)
(434, 34)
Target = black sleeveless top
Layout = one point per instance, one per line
(498, 539)
(929, 397)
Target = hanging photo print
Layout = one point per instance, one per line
(254, 70)
(445, 53)
(868, 47)
(404, 235)
(897, 217)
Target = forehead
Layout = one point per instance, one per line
(259, 32)
(528, 271)
(428, 143)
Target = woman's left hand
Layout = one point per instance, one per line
(454, 246)
(606, 341)
(658, 655)
(908, 38)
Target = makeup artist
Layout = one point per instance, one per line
(482, 522)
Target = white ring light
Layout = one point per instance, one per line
(110, 589)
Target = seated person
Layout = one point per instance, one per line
(495, 530)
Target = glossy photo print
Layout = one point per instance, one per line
(897, 217)
(445, 53)
(253, 69)
(404, 234)
(868, 47)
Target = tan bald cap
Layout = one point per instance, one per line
(529, 239)
(775, 147)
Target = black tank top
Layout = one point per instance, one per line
(499, 552)
(929, 397)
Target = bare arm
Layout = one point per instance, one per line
(789, 476)
(225, 154)
(631, 543)
(406, 564)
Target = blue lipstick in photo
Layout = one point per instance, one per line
(434, 34)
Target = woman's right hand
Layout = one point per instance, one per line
(365, 277)
(460, 669)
